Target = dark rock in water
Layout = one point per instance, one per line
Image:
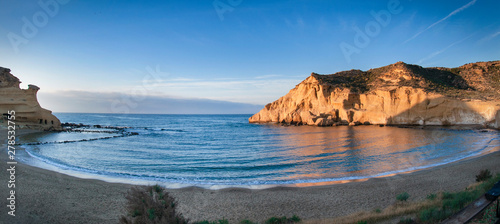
(355, 123)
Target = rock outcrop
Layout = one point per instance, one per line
(28, 112)
(398, 94)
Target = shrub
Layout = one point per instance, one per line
(221, 221)
(151, 204)
(275, 220)
(430, 214)
(431, 196)
(453, 202)
(246, 221)
(447, 195)
(406, 221)
(488, 184)
(362, 222)
(460, 200)
(295, 218)
(483, 175)
(403, 196)
(283, 220)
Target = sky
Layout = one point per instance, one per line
(153, 56)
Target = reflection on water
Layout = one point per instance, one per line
(366, 151)
(226, 150)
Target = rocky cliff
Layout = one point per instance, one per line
(397, 94)
(28, 112)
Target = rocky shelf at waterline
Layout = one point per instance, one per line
(81, 128)
(397, 94)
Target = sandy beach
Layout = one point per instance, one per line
(44, 196)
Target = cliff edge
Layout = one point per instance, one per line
(28, 112)
(397, 94)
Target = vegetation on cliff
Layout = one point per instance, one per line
(471, 81)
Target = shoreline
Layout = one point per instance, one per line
(50, 197)
(33, 160)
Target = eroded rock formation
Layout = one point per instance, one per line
(398, 94)
(28, 112)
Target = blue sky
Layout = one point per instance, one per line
(227, 50)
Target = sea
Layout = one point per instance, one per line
(221, 151)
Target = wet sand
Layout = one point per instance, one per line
(44, 196)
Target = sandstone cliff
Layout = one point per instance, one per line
(397, 94)
(28, 114)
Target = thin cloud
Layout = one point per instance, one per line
(443, 19)
(279, 76)
(257, 90)
(436, 53)
(104, 102)
(487, 38)
(494, 35)
(227, 84)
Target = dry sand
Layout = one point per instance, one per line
(48, 197)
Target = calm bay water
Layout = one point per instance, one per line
(225, 150)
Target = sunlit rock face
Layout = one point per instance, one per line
(28, 112)
(398, 94)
